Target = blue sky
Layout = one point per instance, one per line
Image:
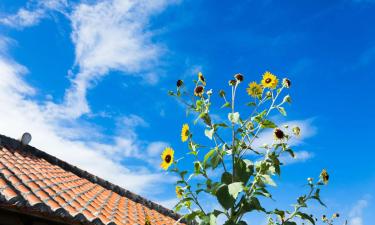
(88, 79)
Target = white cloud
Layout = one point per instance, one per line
(355, 215)
(64, 138)
(107, 35)
(33, 13)
(110, 35)
(300, 156)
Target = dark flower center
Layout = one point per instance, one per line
(268, 80)
(279, 134)
(168, 158)
(199, 89)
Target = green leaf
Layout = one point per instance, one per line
(224, 198)
(252, 204)
(226, 178)
(209, 133)
(267, 124)
(226, 105)
(281, 110)
(235, 188)
(258, 118)
(290, 223)
(304, 216)
(208, 155)
(251, 104)
(244, 170)
(234, 117)
(215, 160)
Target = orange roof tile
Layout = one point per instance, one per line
(37, 182)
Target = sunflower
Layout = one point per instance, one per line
(254, 89)
(278, 134)
(167, 158)
(324, 176)
(184, 132)
(269, 80)
(179, 192)
(198, 91)
(201, 78)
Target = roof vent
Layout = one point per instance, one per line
(26, 138)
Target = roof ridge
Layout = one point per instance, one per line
(14, 144)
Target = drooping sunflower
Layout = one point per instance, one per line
(179, 192)
(254, 89)
(201, 78)
(167, 158)
(185, 132)
(324, 176)
(269, 80)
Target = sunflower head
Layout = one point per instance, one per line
(185, 132)
(201, 78)
(179, 192)
(269, 80)
(167, 158)
(278, 134)
(254, 89)
(324, 176)
(179, 83)
(336, 215)
(232, 82)
(198, 91)
(239, 77)
(286, 83)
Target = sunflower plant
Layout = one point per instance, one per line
(232, 170)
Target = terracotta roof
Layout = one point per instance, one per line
(35, 182)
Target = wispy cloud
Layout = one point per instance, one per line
(33, 13)
(108, 35)
(355, 215)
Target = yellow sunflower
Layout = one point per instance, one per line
(269, 80)
(185, 132)
(201, 78)
(167, 158)
(254, 89)
(179, 192)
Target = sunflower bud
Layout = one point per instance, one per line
(249, 126)
(209, 92)
(286, 83)
(287, 99)
(179, 83)
(296, 131)
(268, 94)
(239, 77)
(222, 93)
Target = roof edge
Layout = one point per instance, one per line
(14, 144)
